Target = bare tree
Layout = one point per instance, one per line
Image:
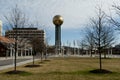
(47, 39)
(15, 19)
(101, 33)
(82, 46)
(22, 44)
(38, 47)
(108, 38)
(115, 19)
(89, 39)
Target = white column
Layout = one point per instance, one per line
(28, 52)
(11, 54)
(25, 49)
(111, 51)
(21, 52)
(78, 51)
(31, 51)
(25, 52)
(17, 53)
(74, 51)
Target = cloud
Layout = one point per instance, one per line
(74, 12)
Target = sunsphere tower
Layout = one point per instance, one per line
(57, 21)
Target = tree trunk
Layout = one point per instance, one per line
(41, 56)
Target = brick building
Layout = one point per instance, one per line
(24, 35)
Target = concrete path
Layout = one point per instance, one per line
(9, 62)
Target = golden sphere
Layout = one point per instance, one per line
(58, 20)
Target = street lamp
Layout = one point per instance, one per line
(57, 21)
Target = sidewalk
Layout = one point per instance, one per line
(5, 58)
(18, 64)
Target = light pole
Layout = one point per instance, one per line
(57, 21)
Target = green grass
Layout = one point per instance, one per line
(66, 69)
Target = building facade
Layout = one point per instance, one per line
(5, 43)
(25, 33)
(24, 36)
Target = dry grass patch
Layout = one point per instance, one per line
(67, 69)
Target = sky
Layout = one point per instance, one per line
(76, 14)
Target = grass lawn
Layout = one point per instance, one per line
(66, 69)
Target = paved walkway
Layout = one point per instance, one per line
(27, 60)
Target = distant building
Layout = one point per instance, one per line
(5, 45)
(24, 36)
(25, 33)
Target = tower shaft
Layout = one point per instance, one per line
(58, 39)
